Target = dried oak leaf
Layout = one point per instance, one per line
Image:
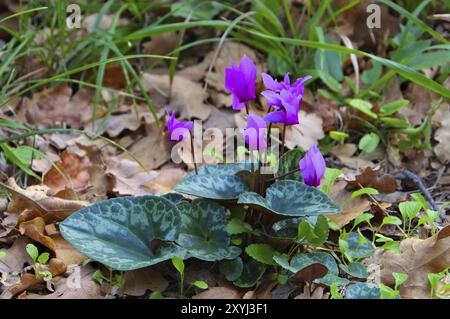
(417, 258)
(75, 169)
(369, 178)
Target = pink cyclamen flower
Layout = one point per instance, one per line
(297, 87)
(240, 82)
(177, 129)
(312, 166)
(254, 133)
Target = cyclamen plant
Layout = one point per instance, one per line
(232, 201)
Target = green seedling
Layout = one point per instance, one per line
(113, 280)
(388, 292)
(39, 261)
(435, 279)
(179, 265)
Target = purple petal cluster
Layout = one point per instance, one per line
(177, 129)
(312, 166)
(240, 82)
(255, 132)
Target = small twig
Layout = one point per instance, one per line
(421, 186)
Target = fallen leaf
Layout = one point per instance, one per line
(417, 258)
(75, 169)
(369, 178)
(350, 208)
(137, 282)
(16, 257)
(442, 135)
(306, 134)
(187, 96)
(218, 293)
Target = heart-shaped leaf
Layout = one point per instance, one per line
(231, 269)
(362, 291)
(203, 231)
(358, 246)
(263, 253)
(300, 261)
(125, 233)
(289, 162)
(222, 169)
(292, 198)
(251, 273)
(356, 270)
(225, 187)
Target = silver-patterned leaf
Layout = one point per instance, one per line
(289, 162)
(203, 231)
(225, 187)
(125, 233)
(292, 198)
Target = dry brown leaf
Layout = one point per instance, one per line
(187, 96)
(345, 153)
(369, 178)
(137, 282)
(219, 293)
(165, 180)
(161, 44)
(442, 135)
(306, 134)
(421, 101)
(8, 225)
(37, 199)
(16, 257)
(350, 208)
(55, 106)
(318, 293)
(417, 258)
(74, 167)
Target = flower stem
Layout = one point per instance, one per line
(284, 175)
(193, 153)
(284, 139)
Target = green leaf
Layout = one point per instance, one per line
(122, 232)
(196, 9)
(178, 263)
(363, 106)
(238, 226)
(2, 254)
(330, 279)
(200, 284)
(366, 217)
(43, 258)
(409, 209)
(338, 136)
(231, 269)
(391, 220)
(314, 235)
(395, 122)
(362, 291)
(331, 174)
(373, 74)
(388, 293)
(156, 295)
(369, 142)
(356, 270)
(392, 107)
(358, 246)
(289, 161)
(262, 252)
(203, 231)
(399, 278)
(251, 273)
(364, 191)
(292, 198)
(222, 169)
(224, 187)
(32, 251)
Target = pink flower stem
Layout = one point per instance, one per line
(193, 153)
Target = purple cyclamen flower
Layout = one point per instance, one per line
(254, 133)
(177, 129)
(287, 107)
(297, 88)
(312, 166)
(240, 81)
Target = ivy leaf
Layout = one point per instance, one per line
(203, 231)
(231, 269)
(289, 162)
(251, 273)
(292, 198)
(362, 291)
(122, 232)
(225, 187)
(262, 252)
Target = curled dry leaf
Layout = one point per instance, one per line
(442, 135)
(417, 258)
(186, 99)
(219, 293)
(370, 178)
(16, 257)
(345, 153)
(306, 134)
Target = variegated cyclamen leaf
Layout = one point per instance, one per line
(301, 261)
(225, 187)
(222, 169)
(362, 290)
(292, 198)
(203, 231)
(125, 233)
(289, 161)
